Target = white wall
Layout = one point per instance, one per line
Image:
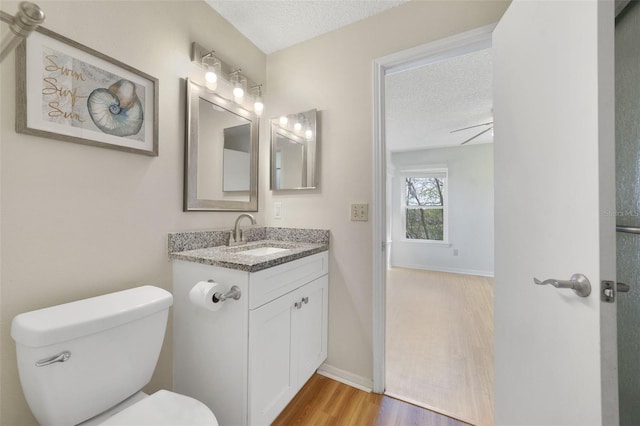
(78, 221)
(334, 73)
(470, 211)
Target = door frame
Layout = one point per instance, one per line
(466, 42)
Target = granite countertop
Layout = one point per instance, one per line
(208, 247)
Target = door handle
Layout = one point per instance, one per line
(578, 283)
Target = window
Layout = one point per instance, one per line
(425, 207)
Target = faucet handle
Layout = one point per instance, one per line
(234, 241)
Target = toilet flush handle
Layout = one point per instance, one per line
(61, 357)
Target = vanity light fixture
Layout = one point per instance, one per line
(298, 124)
(258, 106)
(239, 83)
(216, 70)
(213, 68)
(308, 133)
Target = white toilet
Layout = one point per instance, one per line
(85, 362)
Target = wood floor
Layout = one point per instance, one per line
(439, 342)
(323, 401)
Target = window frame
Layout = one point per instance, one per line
(426, 173)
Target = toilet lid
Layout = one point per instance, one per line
(164, 408)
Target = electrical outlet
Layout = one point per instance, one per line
(277, 210)
(360, 212)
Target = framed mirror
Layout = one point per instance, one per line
(221, 154)
(294, 151)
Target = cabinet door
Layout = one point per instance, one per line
(309, 332)
(271, 384)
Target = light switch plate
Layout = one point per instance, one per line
(277, 210)
(360, 212)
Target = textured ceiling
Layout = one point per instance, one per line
(423, 105)
(275, 25)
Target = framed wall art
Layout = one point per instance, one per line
(70, 92)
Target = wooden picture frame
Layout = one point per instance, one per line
(70, 92)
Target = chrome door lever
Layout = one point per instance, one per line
(578, 283)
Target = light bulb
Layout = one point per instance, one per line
(297, 126)
(258, 106)
(308, 134)
(211, 77)
(284, 120)
(213, 67)
(238, 83)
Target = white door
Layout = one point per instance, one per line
(555, 352)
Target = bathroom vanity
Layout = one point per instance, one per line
(249, 357)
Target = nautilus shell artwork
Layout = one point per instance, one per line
(117, 110)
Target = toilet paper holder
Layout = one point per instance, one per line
(234, 293)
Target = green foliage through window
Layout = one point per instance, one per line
(424, 208)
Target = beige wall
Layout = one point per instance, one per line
(334, 73)
(78, 221)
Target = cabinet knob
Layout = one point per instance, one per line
(302, 301)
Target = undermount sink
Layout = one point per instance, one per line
(262, 251)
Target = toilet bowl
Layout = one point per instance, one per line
(85, 362)
(163, 408)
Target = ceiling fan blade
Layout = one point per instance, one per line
(471, 127)
(479, 134)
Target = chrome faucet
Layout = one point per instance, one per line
(237, 235)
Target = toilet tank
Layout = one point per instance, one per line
(113, 342)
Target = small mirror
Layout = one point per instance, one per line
(294, 151)
(221, 171)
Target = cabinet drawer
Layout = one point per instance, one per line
(272, 283)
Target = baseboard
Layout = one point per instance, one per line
(346, 377)
(443, 269)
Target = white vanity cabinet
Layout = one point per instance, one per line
(248, 359)
(287, 343)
